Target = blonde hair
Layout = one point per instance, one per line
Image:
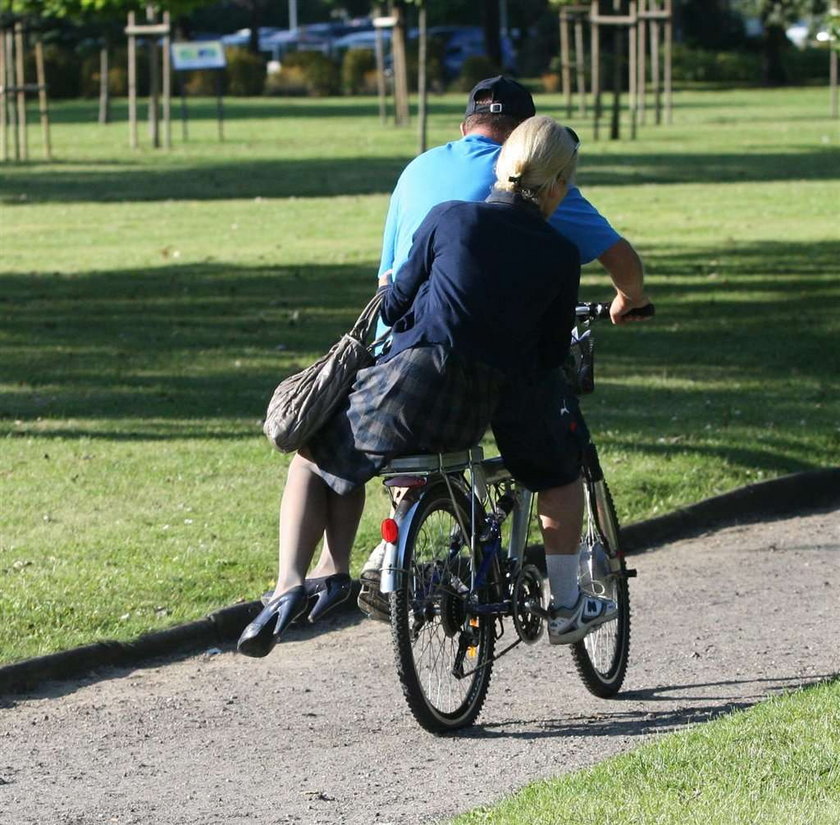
(538, 152)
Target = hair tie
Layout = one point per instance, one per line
(515, 178)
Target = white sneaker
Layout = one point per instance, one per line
(372, 601)
(571, 624)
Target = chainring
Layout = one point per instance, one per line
(528, 589)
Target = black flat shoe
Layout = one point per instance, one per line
(328, 592)
(260, 636)
(325, 593)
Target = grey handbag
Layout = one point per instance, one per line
(303, 402)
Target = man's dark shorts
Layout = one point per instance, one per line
(539, 430)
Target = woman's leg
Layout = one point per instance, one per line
(309, 510)
(343, 516)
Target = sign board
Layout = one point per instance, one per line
(209, 54)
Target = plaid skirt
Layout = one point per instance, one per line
(423, 400)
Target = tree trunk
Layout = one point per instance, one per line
(254, 36)
(400, 68)
(492, 37)
(775, 41)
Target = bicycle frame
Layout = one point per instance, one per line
(415, 473)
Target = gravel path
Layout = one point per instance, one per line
(319, 732)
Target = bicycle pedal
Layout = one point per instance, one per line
(631, 573)
(538, 610)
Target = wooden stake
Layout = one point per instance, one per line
(642, 67)
(617, 65)
(11, 107)
(400, 69)
(132, 83)
(42, 97)
(379, 52)
(580, 66)
(596, 69)
(565, 61)
(167, 86)
(154, 84)
(421, 78)
(669, 36)
(832, 72)
(654, 71)
(21, 93)
(632, 81)
(4, 136)
(104, 99)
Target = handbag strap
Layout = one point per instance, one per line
(367, 320)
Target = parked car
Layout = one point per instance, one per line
(275, 43)
(458, 43)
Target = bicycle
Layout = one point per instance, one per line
(451, 587)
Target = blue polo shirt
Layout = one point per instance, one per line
(464, 170)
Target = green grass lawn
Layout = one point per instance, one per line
(149, 302)
(774, 764)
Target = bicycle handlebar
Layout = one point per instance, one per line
(594, 311)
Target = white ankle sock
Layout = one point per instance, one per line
(563, 579)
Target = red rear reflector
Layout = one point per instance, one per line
(390, 531)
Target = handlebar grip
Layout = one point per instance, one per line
(602, 310)
(647, 311)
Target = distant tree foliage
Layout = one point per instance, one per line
(775, 17)
(710, 24)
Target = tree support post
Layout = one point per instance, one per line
(154, 83)
(422, 81)
(379, 52)
(104, 98)
(132, 81)
(596, 68)
(580, 65)
(9, 85)
(156, 69)
(167, 83)
(618, 22)
(669, 37)
(401, 105)
(632, 81)
(641, 70)
(20, 84)
(4, 137)
(42, 98)
(565, 61)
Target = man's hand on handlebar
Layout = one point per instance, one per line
(624, 309)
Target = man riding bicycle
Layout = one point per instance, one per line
(465, 170)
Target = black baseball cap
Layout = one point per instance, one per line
(507, 97)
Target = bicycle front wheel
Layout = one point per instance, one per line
(444, 656)
(601, 656)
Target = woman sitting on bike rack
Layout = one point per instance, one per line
(481, 314)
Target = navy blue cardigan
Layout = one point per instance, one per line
(491, 280)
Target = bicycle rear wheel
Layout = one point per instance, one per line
(444, 657)
(601, 656)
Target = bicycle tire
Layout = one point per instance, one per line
(601, 656)
(429, 621)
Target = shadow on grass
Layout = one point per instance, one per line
(204, 109)
(195, 350)
(328, 177)
(180, 342)
(169, 177)
(132, 181)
